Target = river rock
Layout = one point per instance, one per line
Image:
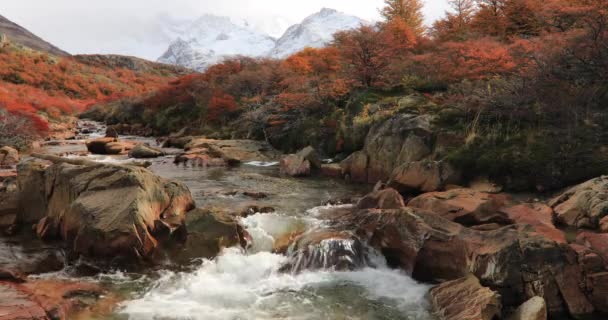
(537, 215)
(143, 151)
(295, 165)
(9, 157)
(425, 176)
(382, 199)
(114, 148)
(101, 210)
(211, 231)
(465, 206)
(354, 166)
(235, 151)
(309, 153)
(396, 141)
(465, 299)
(583, 205)
(331, 170)
(98, 145)
(46, 299)
(516, 262)
(533, 309)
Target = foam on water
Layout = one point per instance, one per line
(262, 163)
(240, 286)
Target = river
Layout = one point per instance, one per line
(242, 284)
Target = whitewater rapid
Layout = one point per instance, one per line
(248, 285)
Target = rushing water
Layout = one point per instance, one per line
(249, 285)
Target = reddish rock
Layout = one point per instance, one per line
(465, 206)
(46, 299)
(538, 216)
(310, 154)
(596, 242)
(114, 148)
(465, 299)
(382, 199)
(598, 283)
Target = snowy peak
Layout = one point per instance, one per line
(315, 31)
(211, 39)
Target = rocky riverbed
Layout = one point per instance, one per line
(106, 226)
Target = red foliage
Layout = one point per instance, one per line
(221, 106)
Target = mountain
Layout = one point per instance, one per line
(19, 35)
(315, 31)
(210, 39)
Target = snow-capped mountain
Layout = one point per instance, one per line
(210, 39)
(315, 31)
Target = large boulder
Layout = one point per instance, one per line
(9, 157)
(102, 210)
(295, 165)
(211, 231)
(465, 206)
(143, 151)
(354, 166)
(235, 151)
(514, 261)
(465, 299)
(425, 176)
(583, 205)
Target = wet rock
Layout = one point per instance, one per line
(326, 250)
(211, 231)
(516, 262)
(46, 299)
(465, 206)
(9, 209)
(295, 166)
(310, 154)
(331, 170)
(425, 176)
(465, 299)
(255, 195)
(533, 309)
(177, 142)
(143, 151)
(100, 210)
(98, 146)
(9, 157)
(11, 276)
(382, 199)
(235, 151)
(583, 205)
(199, 158)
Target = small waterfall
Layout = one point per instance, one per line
(328, 254)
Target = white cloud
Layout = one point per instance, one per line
(133, 26)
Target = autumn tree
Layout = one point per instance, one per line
(490, 19)
(456, 26)
(409, 11)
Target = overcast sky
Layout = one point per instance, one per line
(133, 27)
